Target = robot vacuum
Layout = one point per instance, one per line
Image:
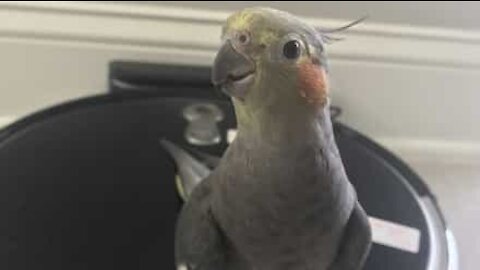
(87, 185)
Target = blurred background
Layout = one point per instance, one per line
(408, 77)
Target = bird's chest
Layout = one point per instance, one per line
(282, 205)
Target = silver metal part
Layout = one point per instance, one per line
(441, 249)
(453, 262)
(202, 128)
(190, 172)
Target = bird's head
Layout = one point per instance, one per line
(271, 62)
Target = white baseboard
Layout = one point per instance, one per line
(434, 152)
(6, 120)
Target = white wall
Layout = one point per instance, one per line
(445, 14)
(403, 85)
(412, 86)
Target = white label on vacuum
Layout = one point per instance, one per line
(395, 235)
(231, 133)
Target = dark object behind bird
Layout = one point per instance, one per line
(87, 185)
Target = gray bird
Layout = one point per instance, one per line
(279, 198)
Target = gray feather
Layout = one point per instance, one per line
(190, 170)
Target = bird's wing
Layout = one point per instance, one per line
(199, 244)
(356, 243)
(190, 171)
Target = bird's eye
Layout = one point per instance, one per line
(292, 49)
(243, 38)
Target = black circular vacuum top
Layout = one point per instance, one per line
(87, 186)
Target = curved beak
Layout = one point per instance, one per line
(232, 71)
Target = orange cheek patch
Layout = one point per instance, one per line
(313, 83)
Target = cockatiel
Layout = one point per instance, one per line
(279, 198)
